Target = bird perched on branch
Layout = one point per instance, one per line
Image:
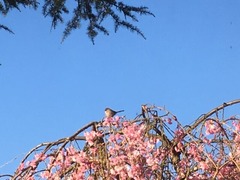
(110, 113)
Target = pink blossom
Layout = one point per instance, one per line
(91, 136)
(179, 147)
(118, 136)
(90, 178)
(237, 138)
(33, 163)
(118, 168)
(133, 150)
(150, 161)
(203, 165)
(45, 174)
(211, 127)
(71, 150)
(20, 167)
(126, 123)
(179, 132)
(236, 124)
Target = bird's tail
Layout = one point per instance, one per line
(120, 111)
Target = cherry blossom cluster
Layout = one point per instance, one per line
(152, 146)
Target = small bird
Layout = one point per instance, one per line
(110, 113)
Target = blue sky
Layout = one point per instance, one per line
(189, 63)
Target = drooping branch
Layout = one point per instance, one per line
(203, 117)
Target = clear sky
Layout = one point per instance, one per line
(189, 63)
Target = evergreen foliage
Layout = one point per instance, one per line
(93, 12)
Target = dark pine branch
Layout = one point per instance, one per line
(6, 28)
(93, 12)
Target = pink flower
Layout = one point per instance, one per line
(71, 150)
(40, 157)
(211, 127)
(237, 138)
(179, 132)
(31, 163)
(203, 165)
(111, 138)
(115, 121)
(126, 123)
(91, 136)
(20, 167)
(150, 161)
(118, 136)
(236, 124)
(45, 175)
(118, 169)
(179, 147)
(90, 178)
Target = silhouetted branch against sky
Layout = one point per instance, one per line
(93, 13)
